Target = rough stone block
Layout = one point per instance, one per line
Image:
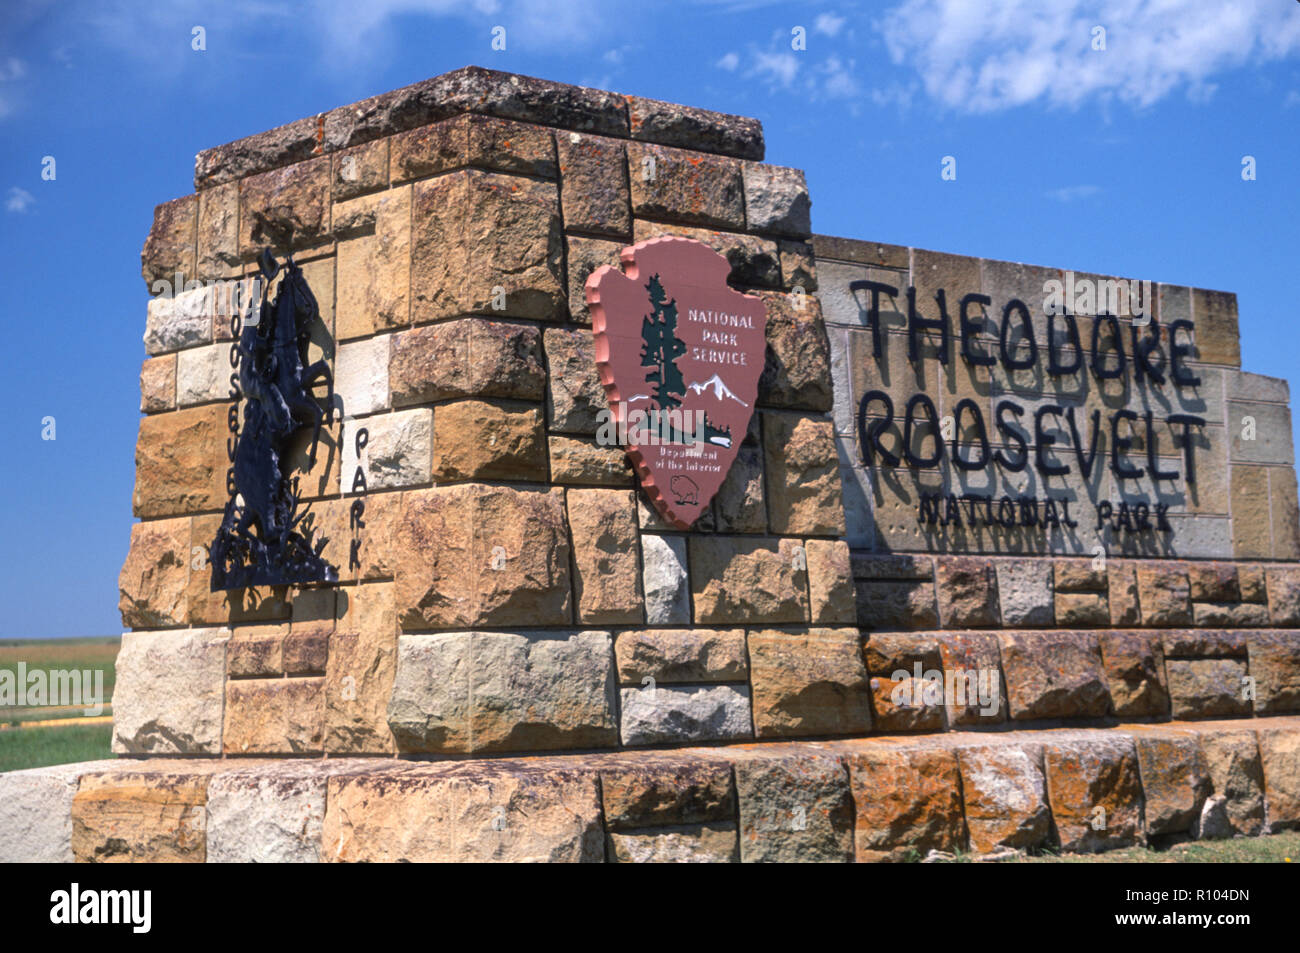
(585, 255)
(374, 263)
(153, 813)
(274, 716)
(1082, 609)
(158, 384)
(607, 579)
(1204, 688)
(594, 197)
(776, 200)
(908, 802)
(397, 452)
(153, 583)
(179, 320)
(287, 208)
(1135, 669)
(1275, 667)
(359, 170)
(794, 807)
(651, 120)
(679, 185)
(577, 461)
(681, 655)
(256, 651)
(467, 357)
(1164, 594)
(1175, 779)
(740, 580)
(576, 401)
(967, 588)
(1005, 797)
(1232, 758)
(693, 844)
(1054, 675)
(648, 791)
(488, 440)
(359, 673)
(1095, 791)
(505, 811)
(677, 715)
(486, 244)
(1025, 593)
(796, 372)
(666, 580)
(361, 376)
(896, 604)
(170, 247)
(169, 691)
(1279, 755)
(180, 462)
(809, 684)
(494, 691)
(830, 583)
(972, 663)
(803, 479)
(1283, 596)
(482, 555)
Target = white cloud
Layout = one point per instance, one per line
(1071, 193)
(828, 23)
(11, 69)
(728, 62)
(18, 200)
(1292, 99)
(1003, 53)
(779, 69)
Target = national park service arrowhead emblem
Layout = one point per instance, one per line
(680, 354)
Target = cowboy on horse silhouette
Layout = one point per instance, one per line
(258, 542)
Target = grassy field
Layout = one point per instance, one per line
(96, 654)
(80, 739)
(1273, 849)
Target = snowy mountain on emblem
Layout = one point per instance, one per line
(720, 389)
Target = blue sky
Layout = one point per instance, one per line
(1125, 161)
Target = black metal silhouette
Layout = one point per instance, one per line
(263, 540)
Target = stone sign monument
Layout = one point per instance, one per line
(665, 529)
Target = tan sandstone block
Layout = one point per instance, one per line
(809, 683)
(488, 440)
(830, 582)
(154, 814)
(607, 578)
(483, 239)
(803, 478)
(740, 580)
(153, 583)
(158, 384)
(374, 265)
(470, 555)
(180, 461)
(274, 716)
(359, 673)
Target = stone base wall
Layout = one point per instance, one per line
(886, 799)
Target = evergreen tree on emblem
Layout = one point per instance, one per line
(661, 347)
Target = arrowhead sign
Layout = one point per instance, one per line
(679, 354)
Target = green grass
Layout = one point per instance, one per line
(1272, 849)
(45, 654)
(54, 744)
